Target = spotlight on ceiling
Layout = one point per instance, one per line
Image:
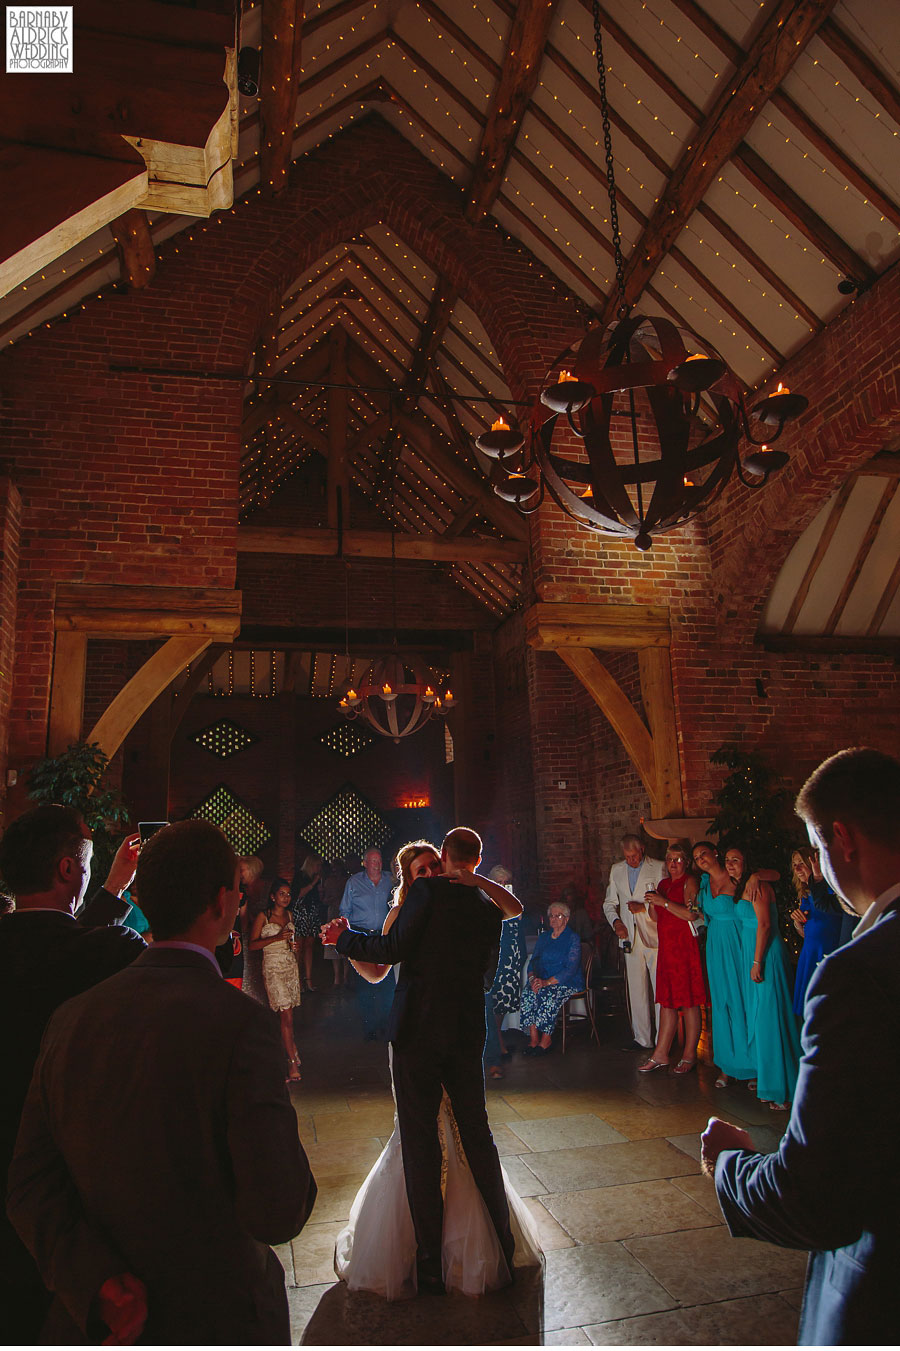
(248, 71)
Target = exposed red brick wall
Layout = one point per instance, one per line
(517, 841)
(851, 375)
(310, 591)
(10, 523)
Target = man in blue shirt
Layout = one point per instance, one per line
(365, 903)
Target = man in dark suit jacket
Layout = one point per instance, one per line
(158, 1153)
(47, 955)
(447, 937)
(833, 1186)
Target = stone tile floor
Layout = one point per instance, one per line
(636, 1251)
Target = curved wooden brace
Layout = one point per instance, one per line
(618, 708)
(145, 685)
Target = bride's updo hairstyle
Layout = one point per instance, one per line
(403, 862)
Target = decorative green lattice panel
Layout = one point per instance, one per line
(224, 738)
(347, 824)
(246, 834)
(347, 738)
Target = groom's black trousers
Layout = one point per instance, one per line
(420, 1076)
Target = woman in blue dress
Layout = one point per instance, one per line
(819, 927)
(724, 968)
(771, 1017)
(554, 973)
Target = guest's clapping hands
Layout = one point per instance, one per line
(122, 1304)
(720, 1135)
(330, 932)
(121, 872)
(798, 919)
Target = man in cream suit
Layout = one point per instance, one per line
(628, 916)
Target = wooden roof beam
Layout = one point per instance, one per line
(424, 437)
(832, 522)
(799, 213)
(835, 156)
(134, 246)
(864, 69)
(377, 544)
(282, 27)
(528, 34)
(773, 53)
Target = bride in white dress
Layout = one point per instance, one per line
(377, 1249)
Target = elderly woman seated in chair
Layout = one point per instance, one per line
(554, 975)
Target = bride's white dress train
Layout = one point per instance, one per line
(377, 1250)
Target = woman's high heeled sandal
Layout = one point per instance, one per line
(650, 1065)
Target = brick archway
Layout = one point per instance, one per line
(851, 375)
(387, 181)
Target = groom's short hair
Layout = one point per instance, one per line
(462, 845)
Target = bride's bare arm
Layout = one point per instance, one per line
(374, 972)
(509, 905)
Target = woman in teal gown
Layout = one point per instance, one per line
(724, 969)
(772, 1021)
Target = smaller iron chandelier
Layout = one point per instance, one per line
(397, 697)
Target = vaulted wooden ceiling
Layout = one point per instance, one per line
(756, 158)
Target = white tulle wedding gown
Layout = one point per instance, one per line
(377, 1250)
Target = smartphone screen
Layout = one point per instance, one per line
(148, 828)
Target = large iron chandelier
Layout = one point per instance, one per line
(653, 414)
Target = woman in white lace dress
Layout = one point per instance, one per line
(377, 1249)
(273, 934)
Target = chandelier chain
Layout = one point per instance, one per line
(624, 306)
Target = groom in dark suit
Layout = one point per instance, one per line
(447, 938)
(833, 1186)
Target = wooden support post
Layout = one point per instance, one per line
(620, 711)
(338, 468)
(144, 686)
(67, 691)
(135, 248)
(659, 707)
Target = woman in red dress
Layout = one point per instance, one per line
(680, 986)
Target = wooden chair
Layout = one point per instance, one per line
(587, 994)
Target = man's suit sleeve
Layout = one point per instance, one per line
(611, 904)
(826, 1176)
(103, 907)
(401, 939)
(274, 1186)
(74, 1258)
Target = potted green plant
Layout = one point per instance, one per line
(75, 779)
